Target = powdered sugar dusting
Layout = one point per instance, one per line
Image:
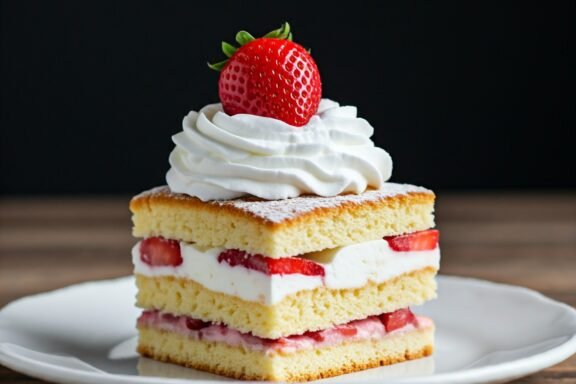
(162, 190)
(277, 211)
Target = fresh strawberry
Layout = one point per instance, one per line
(270, 266)
(158, 251)
(347, 330)
(397, 319)
(195, 324)
(415, 241)
(270, 76)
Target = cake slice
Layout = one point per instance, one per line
(289, 318)
(278, 250)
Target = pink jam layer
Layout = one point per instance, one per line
(365, 329)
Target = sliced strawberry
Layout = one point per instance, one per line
(158, 251)
(282, 340)
(290, 265)
(317, 336)
(195, 324)
(347, 330)
(415, 241)
(397, 319)
(270, 266)
(234, 257)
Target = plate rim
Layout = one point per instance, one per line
(499, 371)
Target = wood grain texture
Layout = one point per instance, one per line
(523, 239)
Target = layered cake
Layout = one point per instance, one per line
(278, 250)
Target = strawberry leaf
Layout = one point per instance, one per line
(285, 31)
(280, 33)
(218, 66)
(244, 37)
(228, 49)
(273, 34)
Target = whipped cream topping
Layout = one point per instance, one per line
(220, 157)
(366, 329)
(351, 266)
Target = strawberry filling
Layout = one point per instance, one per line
(372, 327)
(157, 251)
(160, 252)
(270, 266)
(415, 241)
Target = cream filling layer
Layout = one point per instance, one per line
(347, 267)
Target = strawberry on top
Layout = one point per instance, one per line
(270, 76)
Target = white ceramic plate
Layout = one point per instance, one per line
(486, 333)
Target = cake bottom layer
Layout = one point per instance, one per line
(304, 365)
(315, 309)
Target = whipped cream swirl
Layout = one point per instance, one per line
(219, 157)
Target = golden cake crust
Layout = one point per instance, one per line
(283, 228)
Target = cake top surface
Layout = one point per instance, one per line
(277, 211)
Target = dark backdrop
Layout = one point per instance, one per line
(462, 94)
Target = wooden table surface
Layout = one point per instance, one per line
(523, 239)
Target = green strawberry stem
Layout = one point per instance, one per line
(244, 37)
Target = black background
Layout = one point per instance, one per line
(464, 95)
